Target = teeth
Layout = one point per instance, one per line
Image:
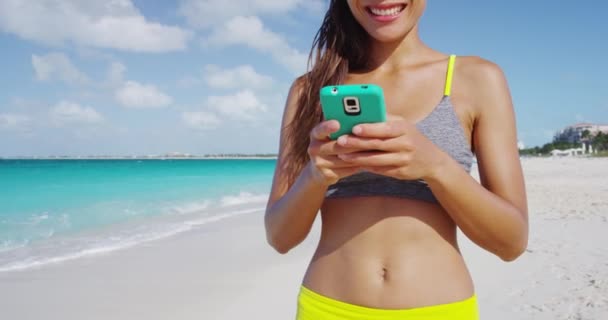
(387, 12)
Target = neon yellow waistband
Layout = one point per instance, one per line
(312, 305)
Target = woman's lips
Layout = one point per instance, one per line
(386, 12)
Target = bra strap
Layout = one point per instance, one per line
(448, 79)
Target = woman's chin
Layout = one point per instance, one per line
(387, 36)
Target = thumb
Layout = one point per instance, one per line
(323, 129)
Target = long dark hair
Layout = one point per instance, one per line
(340, 45)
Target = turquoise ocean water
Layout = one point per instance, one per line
(57, 210)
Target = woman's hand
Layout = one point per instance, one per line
(394, 148)
(325, 165)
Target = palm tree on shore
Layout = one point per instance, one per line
(600, 141)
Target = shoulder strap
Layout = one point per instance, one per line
(448, 79)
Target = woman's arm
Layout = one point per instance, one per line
(289, 219)
(494, 214)
(291, 210)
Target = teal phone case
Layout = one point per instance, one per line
(371, 105)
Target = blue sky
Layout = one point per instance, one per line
(210, 76)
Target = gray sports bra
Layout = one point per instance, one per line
(442, 127)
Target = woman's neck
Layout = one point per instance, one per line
(394, 55)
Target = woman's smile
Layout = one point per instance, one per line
(386, 12)
(387, 20)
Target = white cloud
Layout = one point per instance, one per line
(133, 94)
(90, 53)
(250, 31)
(114, 24)
(136, 95)
(10, 121)
(116, 73)
(239, 77)
(207, 13)
(57, 65)
(316, 6)
(66, 112)
(27, 104)
(201, 120)
(243, 105)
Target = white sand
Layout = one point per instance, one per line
(225, 270)
(564, 273)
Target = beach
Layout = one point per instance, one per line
(226, 270)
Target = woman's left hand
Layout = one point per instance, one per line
(397, 149)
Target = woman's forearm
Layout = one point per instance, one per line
(487, 219)
(289, 220)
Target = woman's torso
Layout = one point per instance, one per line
(388, 252)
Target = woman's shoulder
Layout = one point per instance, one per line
(481, 84)
(480, 78)
(477, 70)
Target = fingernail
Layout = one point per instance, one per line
(342, 140)
(357, 130)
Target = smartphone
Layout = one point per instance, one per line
(351, 105)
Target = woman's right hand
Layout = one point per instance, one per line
(325, 166)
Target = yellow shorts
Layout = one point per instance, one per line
(313, 306)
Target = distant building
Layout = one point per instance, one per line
(568, 152)
(574, 133)
(178, 155)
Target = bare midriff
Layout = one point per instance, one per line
(388, 253)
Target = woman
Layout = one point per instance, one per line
(391, 195)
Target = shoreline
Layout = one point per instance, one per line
(192, 275)
(128, 234)
(226, 270)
